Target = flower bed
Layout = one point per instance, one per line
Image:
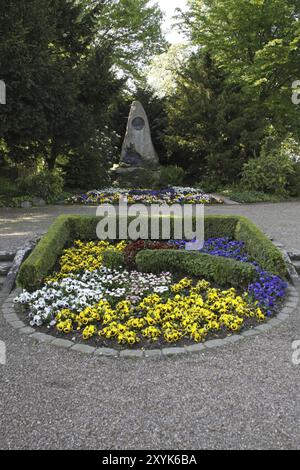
(67, 228)
(92, 298)
(176, 195)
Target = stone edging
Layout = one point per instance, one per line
(12, 318)
(19, 257)
(294, 276)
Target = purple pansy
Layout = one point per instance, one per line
(268, 289)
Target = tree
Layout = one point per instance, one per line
(59, 60)
(59, 84)
(133, 30)
(162, 72)
(257, 42)
(22, 55)
(89, 165)
(213, 128)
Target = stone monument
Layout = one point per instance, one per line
(139, 164)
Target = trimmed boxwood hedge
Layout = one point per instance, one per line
(84, 227)
(68, 228)
(259, 247)
(44, 257)
(222, 271)
(113, 259)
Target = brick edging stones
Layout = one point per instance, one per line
(13, 319)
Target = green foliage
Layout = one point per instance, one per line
(44, 257)
(243, 196)
(83, 227)
(163, 70)
(43, 53)
(143, 177)
(293, 183)
(132, 29)
(16, 201)
(213, 126)
(268, 173)
(237, 81)
(219, 226)
(222, 271)
(113, 259)
(209, 185)
(66, 229)
(257, 43)
(260, 248)
(88, 167)
(172, 175)
(45, 184)
(291, 148)
(8, 188)
(59, 62)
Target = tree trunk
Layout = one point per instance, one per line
(51, 161)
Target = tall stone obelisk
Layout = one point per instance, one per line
(139, 163)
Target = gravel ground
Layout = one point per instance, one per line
(243, 396)
(281, 221)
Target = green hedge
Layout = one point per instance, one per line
(260, 248)
(44, 257)
(68, 228)
(84, 227)
(113, 259)
(220, 226)
(222, 271)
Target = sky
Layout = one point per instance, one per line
(169, 7)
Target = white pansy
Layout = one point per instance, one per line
(83, 290)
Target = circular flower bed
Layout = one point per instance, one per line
(176, 195)
(91, 302)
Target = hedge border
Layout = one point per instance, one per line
(222, 271)
(260, 247)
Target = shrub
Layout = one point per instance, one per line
(250, 197)
(293, 184)
(8, 188)
(44, 257)
(46, 184)
(210, 185)
(84, 227)
(222, 271)
(259, 247)
(113, 259)
(172, 176)
(218, 226)
(88, 167)
(147, 176)
(269, 173)
(13, 201)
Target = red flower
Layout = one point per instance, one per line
(132, 249)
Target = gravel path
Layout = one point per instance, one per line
(281, 221)
(243, 396)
